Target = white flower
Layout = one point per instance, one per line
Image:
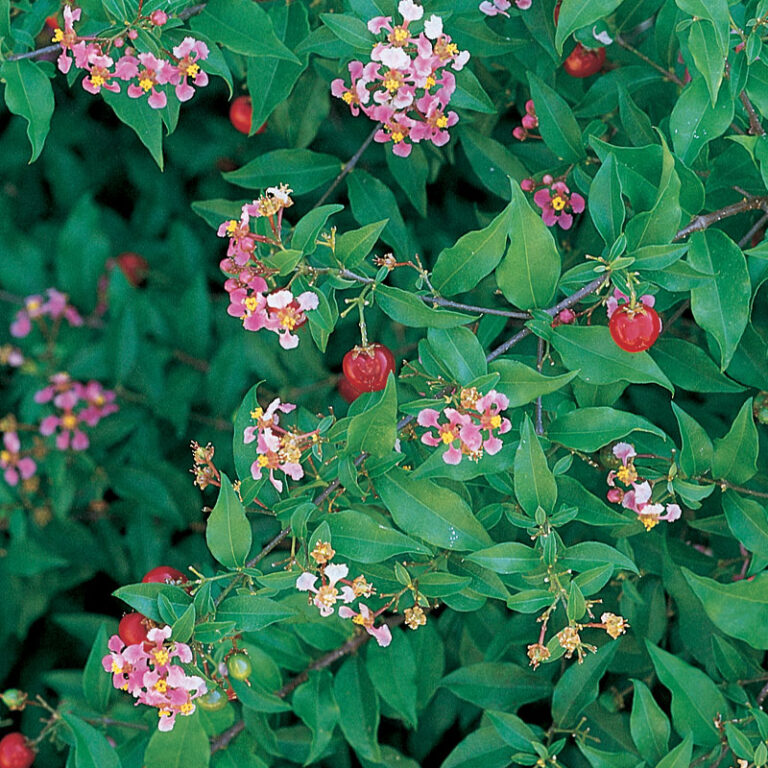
(433, 27)
(395, 58)
(409, 10)
(602, 37)
(460, 60)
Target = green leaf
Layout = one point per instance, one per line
(748, 521)
(358, 709)
(530, 269)
(411, 174)
(360, 538)
(475, 255)
(715, 11)
(355, 244)
(143, 598)
(720, 304)
(252, 612)
(690, 367)
(507, 557)
(649, 725)
(575, 14)
(184, 625)
(483, 748)
(228, 532)
(557, 124)
(145, 122)
(588, 429)
(374, 430)
(591, 554)
(243, 27)
(534, 482)
(405, 308)
(696, 454)
(579, 685)
(97, 684)
(422, 508)
(522, 384)
(606, 206)
(469, 94)
(309, 226)
(636, 122)
(301, 169)
(460, 352)
(497, 685)
(703, 43)
(493, 164)
(513, 730)
(349, 29)
(696, 700)
(591, 349)
(92, 750)
(739, 609)
(186, 746)
(28, 93)
(398, 690)
(370, 201)
(314, 702)
(735, 457)
(680, 756)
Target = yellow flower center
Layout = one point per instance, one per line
(187, 708)
(192, 70)
(558, 203)
(33, 305)
(398, 36)
(288, 319)
(257, 413)
(447, 436)
(58, 35)
(348, 97)
(442, 122)
(398, 136)
(495, 421)
(116, 668)
(327, 595)
(161, 686)
(262, 460)
(626, 474)
(69, 421)
(430, 82)
(649, 521)
(232, 227)
(145, 83)
(97, 81)
(5, 456)
(163, 712)
(162, 657)
(392, 80)
(251, 304)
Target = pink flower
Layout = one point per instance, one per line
(66, 37)
(14, 465)
(558, 204)
(99, 75)
(624, 452)
(460, 428)
(489, 406)
(326, 595)
(500, 7)
(366, 619)
(101, 402)
(277, 452)
(154, 72)
(189, 53)
(619, 298)
(286, 313)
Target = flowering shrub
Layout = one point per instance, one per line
(477, 478)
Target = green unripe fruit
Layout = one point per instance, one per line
(239, 666)
(14, 699)
(213, 701)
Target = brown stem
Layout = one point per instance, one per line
(668, 75)
(756, 227)
(759, 202)
(755, 126)
(741, 489)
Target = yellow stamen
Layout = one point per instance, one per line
(145, 83)
(162, 657)
(69, 421)
(186, 709)
(5, 456)
(447, 437)
(97, 81)
(257, 413)
(398, 136)
(161, 686)
(348, 97)
(58, 35)
(558, 203)
(163, 712)
(442, 122)
(192, 70)
(232, 227)
(496, 422)
(398, 36)
(116, 668)
(430, 82)
(251, 303)
(262, 460)
(649, 521)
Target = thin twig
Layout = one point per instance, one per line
(759, 202)
(668, 75)
(756, 227)
(755, 126)
(741, 489)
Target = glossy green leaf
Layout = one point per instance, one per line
(483, 748)
(497, 685)
(315, 703)
(493, 164)
(522, 384)
(186, 746)
(680, 756)
(374, 430)
(575, 14)
(460, 352)
(228, 532)
(696, 453)
(703, 44)
(557, 124)
(358, 708)
(735, 457)
(649, 725)
(252, 612)
(397, 690)
(92, 750)
(349, 29)
(301, 169)
(606, 206)
(748, 521)
(507, 557)
(534, 482)
(371, 201)
(588, 429)
(97, 685)
(143, 598)
(405, 308)
(690, 367)
(589, 554)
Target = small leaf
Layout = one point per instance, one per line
(228, 532)
(534, 482)
(374, 430)
(28, 93)
(557, 123)
(648, 724)
(735, 457)
(589, 429)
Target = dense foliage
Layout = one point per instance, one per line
(461, 308)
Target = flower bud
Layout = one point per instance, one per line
(158, 18)
(132, 34)
(527, 185)
(519, 133)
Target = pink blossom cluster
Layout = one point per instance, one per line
(14, 464)
(619, 299)
(529, 122)
(151, 677)
(78, 404)
(10, 355)
(496, 7)
(325, 597)
(54, 305)
(557, 202)
(146, 72)
(638, 499)
(463, 429)
(276, 448)
(249, 296)
(406, 85)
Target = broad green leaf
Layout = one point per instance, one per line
(397, 690)
(97, 684)
(441, 584)
(735, 457)
(92, 750)
(648, 724)
(591, 554)
(460, 352)
(355, 244)
(301, 169)
(483, 748)
(703, 44)
(374, 430)
(557, 124)
(475, 255)
(491, 161)
(314, 702)
(252, 612)
(370, 201)
(748, 521)
(143, 598)
(579, 685)
(715, 11)
(636, 122)
(349, 29)
(529, 272)
(497, 685)
(592, 350)
(534, 482)
(405, 308)
(228, 532)
(696, 700)
(308, 227)
(437, 515)
(470, 94)
(720, 303)
(680, 756)
(588, 429)
(513, 730)
(28, 93)
(739, 609)
(606, 206)
(145, 122)
(507, 557)
(358, 708)
(357, 536)
(522, 384)
(186, 746)
(575, 14)
(592, 510)
(690, 367)
(696, 453)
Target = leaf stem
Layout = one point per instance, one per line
(668, 75)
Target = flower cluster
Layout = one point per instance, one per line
(638, 499)
(407, 85)
(529, 122)
(327, 594)
(619, 299)
(465, 425)
(145, 72)
(92, 401)
(54, 305)
(496, 7)
(15, 466)
(277, 448)
(148, 673)
(205, 471)
(557, 202)
(250, 298)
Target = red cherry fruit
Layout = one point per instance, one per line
(241, 113)
(132, 629)
(15, 751)
(367, 368)
(583, 62)
(134, 267)
(347, 391)
(164, 574)
(635, 329)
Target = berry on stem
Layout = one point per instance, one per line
(133, 629)
(213, 701)
(164, 574)
(635, 328)
(583, 62)
(15, 751)
(241, 113)
(347, 391)
(366, 368)
(239, 666)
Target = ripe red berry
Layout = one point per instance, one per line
(15, 751)
(347, 391)
(635, 329)
(132, 629)
(240, 114)
(133, 266)
(367, 368)
(583, 62)
(164, 574)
